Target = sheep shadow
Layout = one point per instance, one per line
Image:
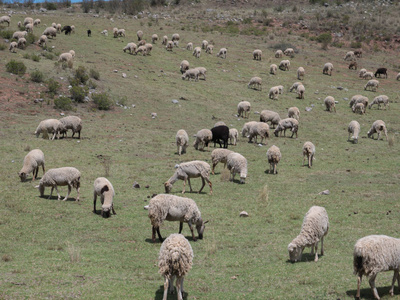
(56, 198)
(150, 241)
(366, 293)
(305, 258)
(160, 293)
(268, 171)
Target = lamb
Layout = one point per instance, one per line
(59, 177)
(13, 47)
(203, 137)
(32, 161)
(28, 20)
(72, 52)
(219, 156)
(328, 68)
(72, 122)
(29, 27)
(36, 22)
(246, 128)
(105, 32)
(270, 116)
(274, 156)
(174, 208)
(354, 131)
(244, 109)
(237, 163)
(197, 52)
(202, 71)
(361, 73)
(141, 49)
(294, 112)
(19, 35)
(104, 189)
(67, 57)
(289, 52)
(372, 84)
(131, 47)
(278, 54)
(175, 37)
(189, 46)
(139, 35)
(255, 83)
(273, 93)
(381, 99)
(58, 28)
(184, 66)
(204, 44)
(373, 254)
(50, 32)
(349, 55)
(182, 141)
(353, 65)
(315, 227)
(164, 40)
(22, 43)
(257, 54)
(220, 133)
(284, 124)
(233, 136)
(294, 86)
(5, 19)
(175, 260)
(309, 151)
(300, 91)
(187, 170)
(210, 49)
(154, 38)
(115, 32)
(330, 103)
(368, 75)
(169, 45)
(284, 65)
(359, 108)
(50, 126)
(121, 32)
(381, 71)
(377, 127)
(273, 69)
(222, 53)
(191, 74)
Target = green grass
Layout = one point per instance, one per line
(56, 249)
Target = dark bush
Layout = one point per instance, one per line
(81, 75)
(50, 5)
(37, 76)
(3, 46)
(16, 67)
(53, 86)
(324, 39)
(94, 74)
(35, 57)
(6, 34)
(78, 93)
(102, 101)
(48, 55)
(63, 103)
(31, 38)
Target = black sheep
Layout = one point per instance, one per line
(381, 71)
(67, 29)
(89, 32)
(220, 133)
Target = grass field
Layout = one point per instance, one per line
(57, 250)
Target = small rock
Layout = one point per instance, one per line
(133, 105)
(153, 115)
(340, 88)
(115, 71)
(243, 214)
(147, 186)
(260, 145)
(175, 101)
(308, 109)
(146, 207)
(123, 75)
(62, 114)
(234, 277)
(336, 102)
(136, 185)
(346, 99)
(6, 40)
(326, 192)
(257, 112)
(135, 76)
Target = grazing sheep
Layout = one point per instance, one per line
(72, 52)
(105, 32)
(182, 141)
(259, 129)
(358, 53)
(233, 136)
(330, 103)
(368, 75)
(372, 84)
(280, 89)
(19, 24)
(381, 71)
(284, 124)
(67, 57)
(5, 19)
(115, 32)
(197, 52)
(294, 86)
(361, 73)
(67, 29)
(244, 109)
(148, 47)
(54, 25)
(32, 161)
(187, 170)
(73, 29)
(29, 27)
(255, 83)
(174, 208)
(50, 126)
(220, 133)
(50, 32)
(274, 156)
(89, 33)
(373, 254)
(13, 47)
(139, 35)
(381, 99)
(288, 52)
(142, 43)
(358, 99)
(273, 69)
(349, 56)
(294, 112)
(328, 68)
(278, 54)
(28, 20)
(72, 122)
(191, 74)
(19, 35)
(300, 91)
(154, 38)
(246, 128)
(314, 228)
(22, 43)
(60, 177)
(184, 66)
(131, 47)
(169, 46)
(175, 37)
(300, 73)
(377, 127)
(353, 65)
(219, 156)
(359, 108)
(398, 76)
(203, 137)
(204, 44)
(309, 151)
(121, 32)
(354, 131)
(284, 65)
(257, 54)
(58, 28)
(210, 49)
(175, 260)
(189, 46)
(141, 49)
(237, 163)
(222, 53)
(202, 71)
(164, 40)
(270, 116)
(104, 189)
(273, 93)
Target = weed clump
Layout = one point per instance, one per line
(78, 93)
(94, 74)
(81, 76)
(102, 101)
(37, 76)
(16, 67)
(53, 86)
(63, 103)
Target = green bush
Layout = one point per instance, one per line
(94, 74)
(63, 103)
(35, 57)
(50, 5)
(355, 44)
(31, 38)
(102, 101)
(78, 93)
(81, 75)
(26, 56)
(6, 34)
(53, 86)
(48, 55)
(16, 67)
(3, 46)
(37, 76)
(324, 39)
(92, 84)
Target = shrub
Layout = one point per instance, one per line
(78, 93)
(324, 39)
(94, 74)
(26, 56)
(6, 34)
(102, 101)
(53, 86)
(355, 44)
(50, 5)
(48, 55)
(92, 84)
(63, 103)
(16, 67)
(35, 57)
(31, 38)
(37, 76)
(81, 75)
(3, 46)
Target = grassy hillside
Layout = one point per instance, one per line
(54, 249)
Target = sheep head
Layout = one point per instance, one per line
(22, 175)
(200, 225)
(41, 189)
(168, 187)
(295, 252)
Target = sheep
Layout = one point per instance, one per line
(381, 71)
(50, 126)
(149, 47)
(361, 73)
(204, 44)
(175, 37)
(314, 228)
(373, 254)
(358, 53)
(54, 25)
(174, 208)
(233, 136)
(67, 30)
(328, 68)
(202, 71)
(29, 27)
(58, 28)
(353, 65)
(222, 53)
(300, 73)
(50, 32)
(72, 122)
(36, 22)
(398, 76)
(142, 43)
(368, 75)
(121, 32)
(5, 19)
(169, 45)
(246, 128)
(359, 108)
(381, 99)
(154, 38)
(280, 89)
(182, 141)
(294, 112)
(273, 93)
(13, 47)
(288, 52)
(257, 54)
(197, 52)
(219, 156)
(294, 86)
(273, 69)
(189, 46)
(274, 156)
(32, 161)
(141, 49)
(139, 35)
(105, 32)
(278, 54)
(104, 189)
(330, 103)
(187, 170)
(259, 129)
(309, 151)
(270, 116)
(300, 91)
(349, 55)
(210, 49)
(237, 163)
(284, 65)
(175, 260)
(244, 109)
(19, 35)
(28, 20)
(164, 40)
(255, 83)
(284, 124)
(184, 66)
(59, 177)
(354, 130)
(191, 74)
(372, 84)
(72, 52)
(19, 24)
(203, 137)
(67, 57)
(358, 99)
(115, 32)
(22, 43)
(131, 47)
(219, 123)
(220, 133)
(378, 126)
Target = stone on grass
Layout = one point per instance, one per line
(326, 192)
(243, 214)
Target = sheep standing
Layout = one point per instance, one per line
(104, 189)
(349, 56)
(233, 136)
(210, 49)
(220, 133)
(381, 71)
(202, 71)
(246, 128)
(141, 49)
(244, 109)
(294, 86)
(372, 84)
(368, 75)
(309, 152)
(203, 137)
(373, 254)
(270, 116)
(29, 27)
(300, 91)
(121, 32)
(289, 52)
(36, 22)
(284, 65)
(154, 38)
(50, 126)
(362, 72)
(175, 37)
(259, 129)
(353, 65)
(328, 68)
(278, 54)
(32, 161)
(294, 112)
(19, 35)
(377, 127)
(72, 122)
(5, 19)
(115, 32)
(359, 108)
(60, 177)
(197, 52)
(284, 124)
(191, 74)
(148, 47)
(50, 32)
(300, 73)
(219, 156)
(255, 83)
(175, 260)
(274, 156)
(131, 47)
(139, 35)
(381, 99)
(189, 46)
(354, 131)
(315, 227)
(42, 40)
(184, 66)
(257, 54)
(222, 53)
(58, 28)
(13, 47)
(28, 20)
(22, 43)
(237, 163)
(164, 40)
(273, 69)
(169, 45)
(330, 103)
(182, 141)
(273, 93)
(204, 44)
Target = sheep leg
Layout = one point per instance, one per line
(359, 279)
(69, 191)
(322, 246)
(35, 172)
(158, 233)
(43, 169)
(395, 276)
(275, 168)
(309, 161)
(54, 135)
(166, 283)
(316, 252)
(179, 287)
(203, 184)
(191, 229)
(213, 168)
(112, 208)
(373, 288)
(180, 227)
(51, 192)
(171, 284)
(304, 159)
(77, 191)
(94, 201)
(190, 185)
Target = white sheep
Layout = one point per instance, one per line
(294, 112)
(204, 44)
(175, 260)
(32, 161)
(278, 54)
(154, 38)
(314, 228)
(373, 254)
(164, 40)
(359, 108)
(222, 53)
(202, 71)
(5, 19)
(149, 47)
(50, 126)
(381, 99)
(115, 32)
(257, 54)
(174, 208)
(273, 69)
(237, 163)
(300, 91)
(142, 43)
(377, 127)
(372, 84)
(58, 28)
(139, 35)
(219, 155)
(175, 37)
(284, 65)
(274, 156)
(354, 131)
(60, 177)
(50, 32)
(349, 55)
(203, 137)
(67, 57)
(280, 89)
(54, 25)
(42, 41)
(72, 52)
(28, 20)
(105, 32)
(361, 73)
(141, 49)
(300, 73)
(19, 35)
(169, 45)
(72, 122)
(358, 99)
(13, 47)
(104, 189)
(131, 47)
(309, 152)
(288, 123)
(273, 93)
(294, 86)
(243, 109)
(233, 136)
(29, 27)
(121, 32)
(246, 128)
(19, 24)
(187, 170)
(210, 49)
(21, 43)
(189, 46)
(184, 66)
(36, 22)
(368, 75)
(191, 74)
(328, 68)
(182, 141)
(270, 116)
(197, 52)
(73, 29)
(255, 83)
(258, 129)
(330, 103)
(288, 52)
